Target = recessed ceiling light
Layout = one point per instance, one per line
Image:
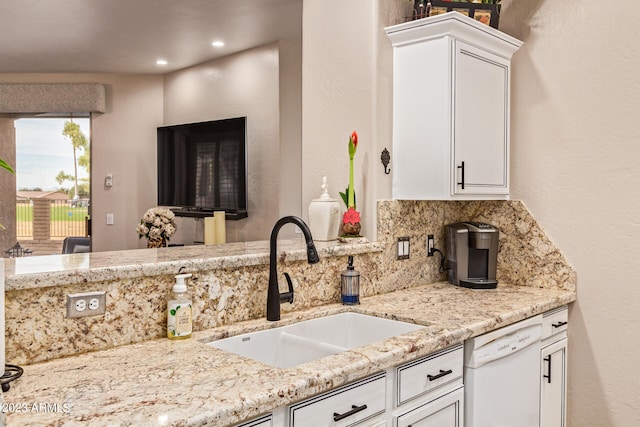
(161, 62)
(217, 43)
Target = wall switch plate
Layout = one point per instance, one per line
(86, 304)
(430, 245)
(403, 248)
(109, 219)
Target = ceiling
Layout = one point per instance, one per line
(128, 36)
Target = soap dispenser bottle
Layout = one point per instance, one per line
(350, 284)
(179, 315)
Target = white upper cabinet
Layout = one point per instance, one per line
(451, 88)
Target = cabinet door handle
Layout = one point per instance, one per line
(548, 376)
(559, 324)
(354, 410)
(461, 167)
(440, 375)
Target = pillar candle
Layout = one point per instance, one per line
(209, 230)
(221, 227)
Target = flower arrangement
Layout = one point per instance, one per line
(351, 218)
(157, 226)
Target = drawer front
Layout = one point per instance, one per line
(266, 421)
(554, 322)
(344, 406)
(446, 411)
(427, 374)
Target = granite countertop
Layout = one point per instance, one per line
(53, 270)
(163, 382)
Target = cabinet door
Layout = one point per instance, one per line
(446, 411)
(481, 122)
(553, 385)
(421, 121)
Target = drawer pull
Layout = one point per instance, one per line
(548, 376)
(559, 324)
(440, 375)
(354, 410)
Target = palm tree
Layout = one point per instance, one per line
(5, 165)
(78, 140)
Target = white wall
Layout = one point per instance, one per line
(575, 151)
(347, 86)
(123, 143)
(338, 85)
(247, 84)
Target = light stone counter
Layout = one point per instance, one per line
(162, 382)
(56, 270)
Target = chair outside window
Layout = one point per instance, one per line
(74, 245)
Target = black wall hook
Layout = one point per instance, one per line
(385, 157)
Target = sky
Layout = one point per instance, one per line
(42, 152)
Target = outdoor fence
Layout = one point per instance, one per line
(64, 218)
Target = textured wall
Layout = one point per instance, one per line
(575, 158)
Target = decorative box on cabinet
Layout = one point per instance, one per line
(553, 385)
(451, 92)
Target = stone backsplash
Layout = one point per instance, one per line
(526, 255)
(233, 288)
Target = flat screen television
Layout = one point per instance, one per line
(202, 167)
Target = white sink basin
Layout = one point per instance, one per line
(314, 339)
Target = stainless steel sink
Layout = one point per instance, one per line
(314, 339)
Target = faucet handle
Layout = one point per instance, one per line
(287, 296)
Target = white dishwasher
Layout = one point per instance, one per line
(502, 376)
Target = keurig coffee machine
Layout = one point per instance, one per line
(472, 254)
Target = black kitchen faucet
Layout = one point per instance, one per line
(274, 297)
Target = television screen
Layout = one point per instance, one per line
(202, 166)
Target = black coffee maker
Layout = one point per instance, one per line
(472, 254)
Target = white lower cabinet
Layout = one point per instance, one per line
(445, 411)
(553, 368)
(429, 391)
(424, 392)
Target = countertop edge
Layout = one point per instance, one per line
(69, 269)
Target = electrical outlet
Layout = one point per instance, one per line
(86, 304)
(403, 248)
(430, 245)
